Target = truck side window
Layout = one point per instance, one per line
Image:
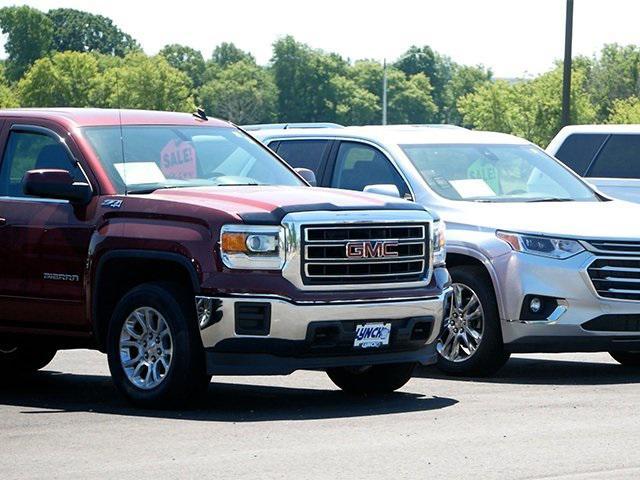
(578, 149)
(619, 158)
(359, 165)
(304, 153)
(31, 151)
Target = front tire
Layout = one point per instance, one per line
(18, 360)
(471, 340)
(155, 354)
(374, 379)
(628, 359)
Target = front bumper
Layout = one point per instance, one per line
(312, 336)
(567, 329)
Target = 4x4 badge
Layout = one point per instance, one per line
(111, 203)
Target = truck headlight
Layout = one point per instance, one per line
(439, 243)
(252, 247)
(559, 248)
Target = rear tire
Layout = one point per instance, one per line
(628, 359)
(154, 349)
(375, 379)
(489, 355)
(17, 360)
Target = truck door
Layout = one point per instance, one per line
(44, 241)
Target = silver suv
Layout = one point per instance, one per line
(540, 261)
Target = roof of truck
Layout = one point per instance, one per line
(84, 117)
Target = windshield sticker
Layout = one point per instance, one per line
(472, 187)
(139, 173)
(178, 160)
(485, 169)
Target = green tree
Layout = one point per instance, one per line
(146, 83)
(436, 67)
(186, 59)
(465, 79)
(29, 36)
(80, 31)
(303, 77)
(8, 98)
(226, 54)
(615, 75)
(625, 110)
(66, 79)
(352, 104)
(242, 93)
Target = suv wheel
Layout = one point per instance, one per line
(471, 339)
(18, 360)
(372, 379)
(155, 354)
(628, 359)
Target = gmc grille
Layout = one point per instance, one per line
(325, 258)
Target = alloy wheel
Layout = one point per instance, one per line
(462, 330)
(146, 348)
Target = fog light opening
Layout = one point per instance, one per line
(536, 305)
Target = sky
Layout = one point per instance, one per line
(514, 38)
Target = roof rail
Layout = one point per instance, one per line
(285, 126)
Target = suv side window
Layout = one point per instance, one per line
(31, 151)
(304, 153)
(619, 158)
(578, 149)
(358, 165)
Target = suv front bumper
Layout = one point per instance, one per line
(267, 335)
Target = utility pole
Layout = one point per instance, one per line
(566, 77)
(384, 92)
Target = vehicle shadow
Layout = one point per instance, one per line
(535, 371)
(55, 392)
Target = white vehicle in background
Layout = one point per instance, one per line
(540, 261)
(608, 156)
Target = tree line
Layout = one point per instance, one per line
(67, 57)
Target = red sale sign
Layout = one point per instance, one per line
(178, 160)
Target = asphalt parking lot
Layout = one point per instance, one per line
(543, 416)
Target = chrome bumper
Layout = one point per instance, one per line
(290, 320)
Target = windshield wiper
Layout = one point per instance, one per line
(550, 199)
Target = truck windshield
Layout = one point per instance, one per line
(151, 157)
(495, 173)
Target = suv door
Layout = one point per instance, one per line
(305, 153)
(44, 241)
(358, 165)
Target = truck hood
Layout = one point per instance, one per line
(582, 220)
(268, 205)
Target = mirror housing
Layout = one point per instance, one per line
(389, 190)
(308, 175)
(56, 184)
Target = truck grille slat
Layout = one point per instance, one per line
(325, 260)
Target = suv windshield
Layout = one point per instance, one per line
(169, 156)
(495, 173)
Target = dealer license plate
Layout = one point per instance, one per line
(372, 335)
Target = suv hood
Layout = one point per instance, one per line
(582, 220)
(268, 205)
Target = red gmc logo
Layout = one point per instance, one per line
(371, 249)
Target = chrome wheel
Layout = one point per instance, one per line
(146, 348)
(462, 330)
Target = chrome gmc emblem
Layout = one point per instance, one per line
(372, 249)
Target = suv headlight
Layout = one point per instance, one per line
(559, 248)
(438, 240)
(252, 247)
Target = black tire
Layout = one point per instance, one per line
(628, 359)
(375, 379)
(19, 360)
(186, 378)
(490, 355)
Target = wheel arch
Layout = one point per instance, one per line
(119, 271)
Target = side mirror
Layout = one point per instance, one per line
(389, 190)
(308, 175)
(57, 184)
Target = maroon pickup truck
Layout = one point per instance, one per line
(183, 248)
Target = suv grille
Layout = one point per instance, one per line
(616, 277)
(613, 247)
(364, 254)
